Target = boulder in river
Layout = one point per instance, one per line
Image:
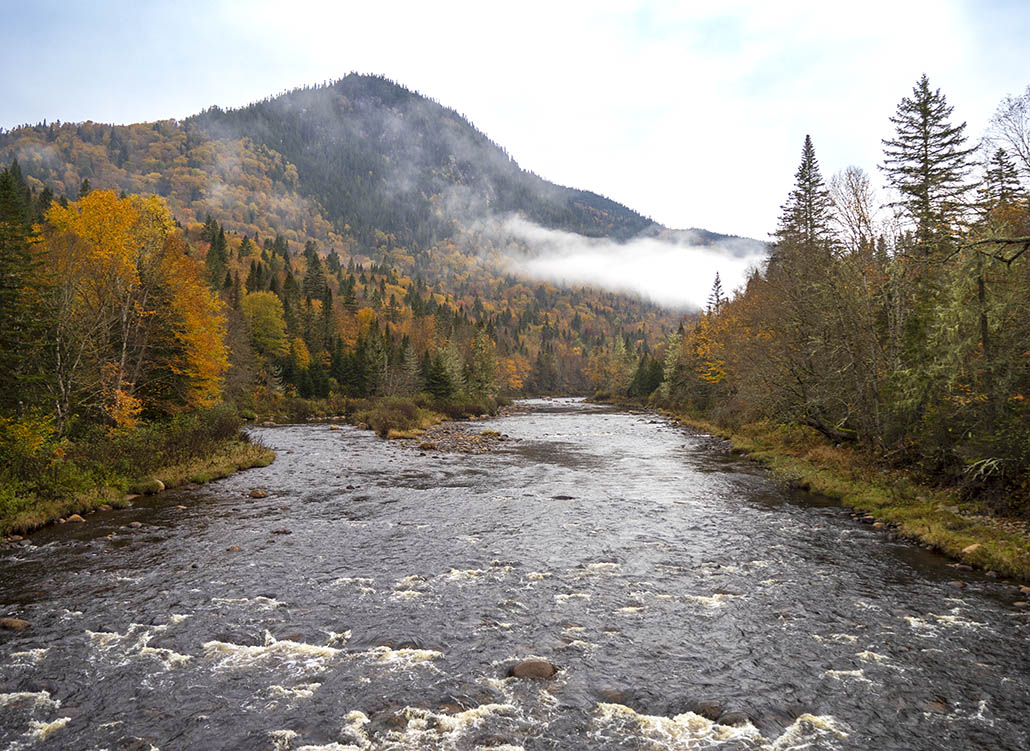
(710, 710)
(75, 518)
(14, 624)
(534, 669)
(258, 493)
(734, 718)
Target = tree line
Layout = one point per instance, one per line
(900, 324)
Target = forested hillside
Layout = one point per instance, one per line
(360, 197)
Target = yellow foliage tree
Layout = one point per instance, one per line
(134, 326)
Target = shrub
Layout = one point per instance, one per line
(390, 413)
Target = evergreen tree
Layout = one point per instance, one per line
(438, 381)
(314, 278)
(18, 271)
(217, 259)
(805, 219)
(716, 299)
(1001, 182)
(928, 163)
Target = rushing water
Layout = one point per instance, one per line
(655, 569)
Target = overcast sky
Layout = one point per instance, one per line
(692, 113)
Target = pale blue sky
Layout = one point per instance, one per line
(692, 113)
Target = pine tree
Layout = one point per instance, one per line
(928, 164)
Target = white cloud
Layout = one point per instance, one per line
(676, 272)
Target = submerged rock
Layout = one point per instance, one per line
(533, 669)
(709, 710)
(258, 493)
(734, 718)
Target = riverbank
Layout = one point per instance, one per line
(53, 480)
(889, 499)
(233, 456)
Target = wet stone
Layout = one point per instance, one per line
(258, 493)
(533, 669)
(75, 518)
(937, 704)
(14, 624)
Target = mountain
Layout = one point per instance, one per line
(376, 155)
(348, 163)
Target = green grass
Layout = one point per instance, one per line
(802, 459)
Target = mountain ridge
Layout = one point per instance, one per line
(345, 162)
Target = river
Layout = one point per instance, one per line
(379, 595)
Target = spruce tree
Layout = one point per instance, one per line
(1001, 185)
(927, 162)
(805, 219)
(716, 299)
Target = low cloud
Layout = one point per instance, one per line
(673, 269)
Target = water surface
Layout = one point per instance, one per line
(379, 596)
